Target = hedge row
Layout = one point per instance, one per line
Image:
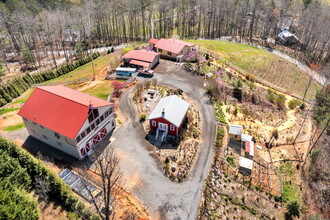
(17, 86)
(60, 192)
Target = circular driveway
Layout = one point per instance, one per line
(139, 164)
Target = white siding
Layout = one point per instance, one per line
(38, 132)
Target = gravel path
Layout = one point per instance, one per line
(141, 169)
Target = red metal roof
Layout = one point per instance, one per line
(169, 45)
(247, 146)
(139, 63)
(153, 41)
(60, 109)
(172, 45)
(182, 42)
(143, 55)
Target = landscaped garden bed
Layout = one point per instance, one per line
(176, 154)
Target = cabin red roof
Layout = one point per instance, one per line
(143, 55)
(153, 41)
(60, 109)
(247, 146)
(172, 45)
(139, 63)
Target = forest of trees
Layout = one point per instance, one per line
(31, 28)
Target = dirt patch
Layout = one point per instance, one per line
(10, 119)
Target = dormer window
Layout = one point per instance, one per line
(93, 113)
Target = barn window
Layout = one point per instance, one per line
(34, 123)
(169, 53)
(110, 111)
(93, 114)
(57, 135)
(172, 127)
(44, 136)
(59, 143)
(102, 118)
(88, 130)
(98, 121)
(113, 123)
(41, 126)
(83, 135)
(153, 123)
(106, 114)
(160, 50)
(78, 139)
(25, 119)
(92, 126)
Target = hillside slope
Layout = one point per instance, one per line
(263, 64)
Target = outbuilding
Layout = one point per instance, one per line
(169, 115)
(66, 119)
(141, 59)
(235, 132)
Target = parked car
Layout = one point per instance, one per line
(146, 72)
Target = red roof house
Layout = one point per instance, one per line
(153, 41)
(141, 58)
(169, 115)
(66, 119)
(173, 47)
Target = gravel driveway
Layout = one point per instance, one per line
(142, 171)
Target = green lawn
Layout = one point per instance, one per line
(263, 64)
(101, 90)
(14, 127)
(84, 70)
(6, 110)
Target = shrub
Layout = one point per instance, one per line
(293, 103)
(230, 160)
(251, 77)
(142, 117)
(293, 210)
(59, 192)
(314, 155)
(275, 133)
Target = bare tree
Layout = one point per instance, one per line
(106, 166)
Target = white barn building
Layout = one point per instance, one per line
(69, 120)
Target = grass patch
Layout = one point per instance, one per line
(22, 99)
(14, 127)
(286, 168)
(6, 110)
(84, 71)
(290, 192)
(263, 64)
(101, 90)
(294, 103)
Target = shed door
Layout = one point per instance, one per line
(162, 126)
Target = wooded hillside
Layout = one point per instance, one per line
(29, 27)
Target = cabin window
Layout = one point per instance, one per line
(78, 139)
(235, 136)
(83, 135)
(169, 53)
(57, 135)
(172, 127)
(92, 126)
(160, 50)
(88, 130)
(153, 123)
(44, 136)
(98, 121)
(102, 118)
(92, 115)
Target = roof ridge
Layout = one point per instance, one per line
(69, 98)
